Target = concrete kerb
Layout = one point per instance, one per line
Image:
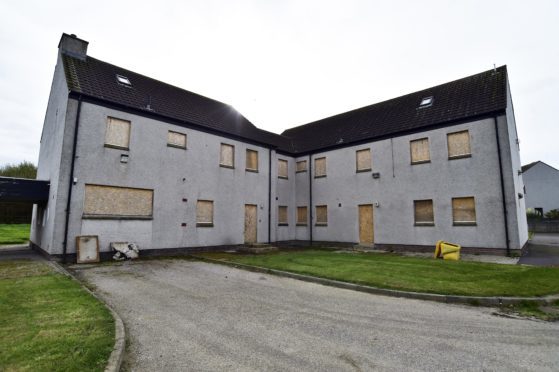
(115, 359)
(451, 299)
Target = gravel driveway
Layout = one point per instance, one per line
(187, 315)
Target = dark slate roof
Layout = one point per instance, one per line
(97, 79)
(528, 166)
(469, 97)
(473, 96)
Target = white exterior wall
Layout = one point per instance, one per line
(154, 165)
(50, 163)
(542, 187)
(401, 183)
(515, 186)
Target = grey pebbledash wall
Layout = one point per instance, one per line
(174, 174)
(154, 165)
(400, 183)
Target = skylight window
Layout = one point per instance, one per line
(123, 80)
(427, 101)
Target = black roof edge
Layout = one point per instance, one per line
(185, 124)
(395, 135)
(25, 179)
(167, 119)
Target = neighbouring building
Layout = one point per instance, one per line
(132, 159)
(541, 183)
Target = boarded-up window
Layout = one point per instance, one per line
(321, 215)
(227, 156)
(282, 168)
(282, 215)
(118, 133)
(363, 160)
(176, 139)
(423, 212)
(320, 167)
(117, 202)
(458, 144)
(301, 166)
(464, 211)
(419, 150)
(302, 216)
(252, 161)
(204, 213)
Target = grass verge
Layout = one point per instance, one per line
(48, 322)
(14, 233)
(415, 274)
(533, 310)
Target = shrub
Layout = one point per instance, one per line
(532, 214)
(552, 214)
(24, 169)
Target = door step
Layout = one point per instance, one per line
(363, 247)
(257, 248)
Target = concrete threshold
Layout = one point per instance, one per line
(451, 299)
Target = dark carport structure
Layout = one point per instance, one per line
(16, 193)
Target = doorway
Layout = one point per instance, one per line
(250, 223)
(366, 224)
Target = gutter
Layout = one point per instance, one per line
(71, 181)
(443, 124)
(168, 119)
(201, 128)
(310, 200)
(502, 186)
(269, 195)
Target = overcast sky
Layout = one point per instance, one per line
(286, 63)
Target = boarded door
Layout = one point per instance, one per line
(250, 224)
(366, 233)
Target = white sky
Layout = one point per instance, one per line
(286, 63)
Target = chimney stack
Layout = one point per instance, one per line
(71, 45)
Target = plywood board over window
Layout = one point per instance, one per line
(301, 166)
(227, 156)
(419, 151)
(117, 202)
(118, 133)
(282, 216)
(321, 215)
(464, 211)
(282, 168)
(423, 212)
(320, 167)
(252, 161)
(459, 145)
(363, 160)
(204, 213)
(301, 216)
(176, 139)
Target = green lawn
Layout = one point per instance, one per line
(409, 273)
(48, 322)
(14, 233)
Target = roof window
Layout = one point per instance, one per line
(427, 101)
(123, 80)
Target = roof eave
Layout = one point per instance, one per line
(171, 120)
